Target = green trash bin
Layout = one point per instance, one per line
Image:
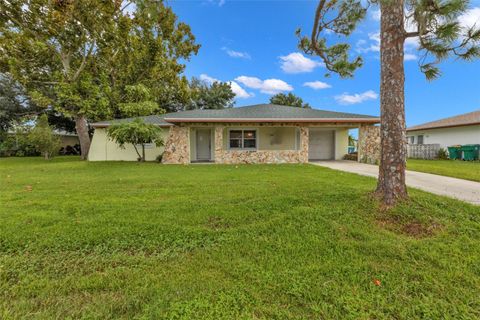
(454, 152)
(470, 152)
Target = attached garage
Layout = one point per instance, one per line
(321, 144)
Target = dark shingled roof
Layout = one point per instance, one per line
(466, 119)
(254, 113)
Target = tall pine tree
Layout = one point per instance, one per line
(440, 36)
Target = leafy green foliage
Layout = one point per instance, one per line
(128, 241)
(289, 100)
(342, 18)
(443, 154)
(17, 143)
(43, 138)
(15, 105)
(218, 95)
(83, 57)
(440, 34)
(139, 102)
(135, 132)
(436, 25)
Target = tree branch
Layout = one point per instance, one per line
(84, 62)
(412, 34)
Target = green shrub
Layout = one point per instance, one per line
(43, 138)
(442, 154)
(18, 145)
(351, 156)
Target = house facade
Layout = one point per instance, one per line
(458, 130)
(252, 134)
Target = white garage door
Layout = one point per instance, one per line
(321, 144)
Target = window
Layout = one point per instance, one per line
(419, 139)
(411, 140)
(243, 139)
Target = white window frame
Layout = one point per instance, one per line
(242, 139)
(423, 139)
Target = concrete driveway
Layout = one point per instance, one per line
(468, 191)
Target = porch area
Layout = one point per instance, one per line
(237, 143)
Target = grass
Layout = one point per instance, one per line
(128, 240)
(469, 170)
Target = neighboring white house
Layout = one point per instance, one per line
(457, 130)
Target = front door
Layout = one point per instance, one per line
(203, 144)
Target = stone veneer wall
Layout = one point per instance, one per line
(260, 156)
(177, 149)
(369, 144)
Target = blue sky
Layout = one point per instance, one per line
(253, 44)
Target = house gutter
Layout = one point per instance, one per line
(444, 126)
(275, 120)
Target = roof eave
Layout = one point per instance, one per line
(106, 125)
(445, 126)
(290, 120)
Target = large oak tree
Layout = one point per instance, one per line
(82, 57)
(440, 35)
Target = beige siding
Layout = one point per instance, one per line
(341, 143)
(104, 149)
(276, 138)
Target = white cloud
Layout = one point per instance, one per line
(317, 85)
(470, 18)
(239, 91)
(236, 54)
(346, 98)
(376, 14)
(409, 57)
(296, 62)
(374, 46)
(208, 79)
(268, 86)
(220, 3)
(412, 42)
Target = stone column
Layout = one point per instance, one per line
(219, 144)
(177, 146)
(369, 144)
(304, 144)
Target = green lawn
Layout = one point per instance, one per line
(469, 170)
(129, 240)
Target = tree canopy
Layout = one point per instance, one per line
(85, 57)
(15, 105)
(434, 24)
(289, 100)
(43, 138)
(202, 95)
(136, 132)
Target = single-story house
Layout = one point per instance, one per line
(457, 130)
(264, 133)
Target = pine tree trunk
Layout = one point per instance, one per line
(83, 136)
(391, 180)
